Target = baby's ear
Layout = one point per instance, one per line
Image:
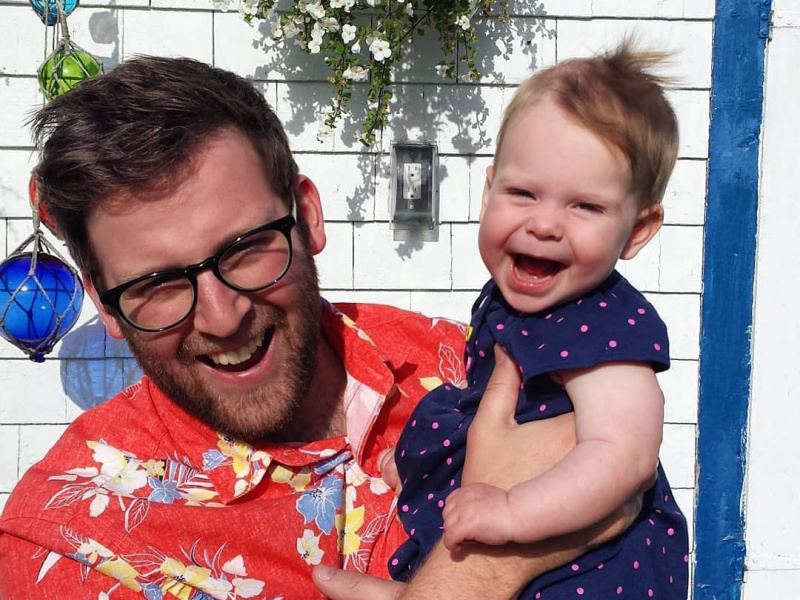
(647, 225)
(487, 187)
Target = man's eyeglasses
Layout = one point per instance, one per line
(252, 262)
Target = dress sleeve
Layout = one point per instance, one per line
(611, 324)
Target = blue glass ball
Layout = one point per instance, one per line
(47, 11)
(29, 312)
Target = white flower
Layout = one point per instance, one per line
(330, 23)
(348, 33)
(463, 22)
(290, 29)
(380, 49)
(248, 8)
(371, 2)
(314, 45)
(308, 548)
(355, 48)
(443, 71)
(409, 9)
(348, 4)
(222, 5)
(337, 3)
(356, 73)
(316, 10)
(302, 5)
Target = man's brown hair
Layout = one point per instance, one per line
(135, 130)
(617, 97)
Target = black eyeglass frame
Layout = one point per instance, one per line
(111, 298)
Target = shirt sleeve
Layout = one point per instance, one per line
(30, 572)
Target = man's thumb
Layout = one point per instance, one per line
(349, 585)
(499, 402)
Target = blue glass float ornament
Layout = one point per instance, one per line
(40, 297)
(48, 9)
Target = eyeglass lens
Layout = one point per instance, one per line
(251, 264)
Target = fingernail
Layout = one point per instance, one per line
(324, 573)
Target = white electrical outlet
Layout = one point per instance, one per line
(412, 181)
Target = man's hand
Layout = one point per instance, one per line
(387, 467)
(349, 585)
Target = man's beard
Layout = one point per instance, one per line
(258, 414)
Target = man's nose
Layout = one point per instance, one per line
(545, 221)
(220, 310)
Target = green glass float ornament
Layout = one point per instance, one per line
(41, 296)
(66, 68)
(48, 9)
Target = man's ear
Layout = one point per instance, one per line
(487, 187)
(109, 319)
(309, 208)
(647, 225)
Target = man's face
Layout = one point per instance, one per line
(241, 362)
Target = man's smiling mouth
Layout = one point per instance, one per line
(242, 358)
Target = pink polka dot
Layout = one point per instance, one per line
(647, 541)
(663, 549)
(685, 558)
(541, 346)
(448, 388)
(481, 353)
(575, 567)
(413, 531)
(434, 425)
(404, 508)
(414, 423)
(579, 302)
(525, 333)
(666, 497)
(543, 408)
(640, 311)
(426, 476)
(612, 343)
(631, 321)
(670, 579)
(560, 319)
(580, 591)
(423, 452)
(657, 511)
(416, 510)
(603, 304)
(452, 482)
(538, 595)
(500, 327)
(636, 564)
(600, 566)
(449, 461)
(619, 590)
(650, 593)
(440, 503)
(446, 443)
(548, 316)
(670, 531)
(402, 453)
(651, 521)
(430, 496)
(395, 562)
(564, 354)
(657, 346)
(584, 328)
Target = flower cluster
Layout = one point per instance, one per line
(364, 49)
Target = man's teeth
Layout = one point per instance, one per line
(234, 357)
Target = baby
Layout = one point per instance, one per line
(584, 154)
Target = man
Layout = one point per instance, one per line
(247, 454)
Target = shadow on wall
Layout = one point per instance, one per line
(94, 367)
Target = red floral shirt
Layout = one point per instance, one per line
(139, 499)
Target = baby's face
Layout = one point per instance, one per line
(557, 211)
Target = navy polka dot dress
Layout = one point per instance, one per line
(612, 323)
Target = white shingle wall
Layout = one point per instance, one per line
(362, 262)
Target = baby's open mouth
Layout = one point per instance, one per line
(535, 269)
(242, 358)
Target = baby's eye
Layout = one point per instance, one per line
(521, 193)
(589, 207)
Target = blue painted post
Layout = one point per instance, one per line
(741, 29)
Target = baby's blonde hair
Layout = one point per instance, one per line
(616, 96)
